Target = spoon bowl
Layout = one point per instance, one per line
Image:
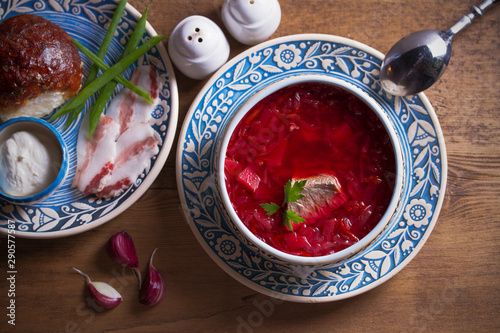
(418, 60)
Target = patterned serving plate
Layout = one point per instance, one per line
(68, 211)
(424, 155)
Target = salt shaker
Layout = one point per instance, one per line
(198, 47)
(251, 21)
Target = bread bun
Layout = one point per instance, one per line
(40, 67)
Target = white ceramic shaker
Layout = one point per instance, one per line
(198, 47)
(251, 21)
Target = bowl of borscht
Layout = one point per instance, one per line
(310, 170)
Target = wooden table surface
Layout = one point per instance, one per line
(452, 285)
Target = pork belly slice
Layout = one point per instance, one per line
(135, 148)
(127, 108)
(321, 195)
(95, 157)
(123, 142)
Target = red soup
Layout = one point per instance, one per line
(306, 132)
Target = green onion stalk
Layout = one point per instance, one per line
(103, 49)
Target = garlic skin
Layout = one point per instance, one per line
(121, 250)
(153, 286)
(103, 294)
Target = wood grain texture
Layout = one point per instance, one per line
(452, 285)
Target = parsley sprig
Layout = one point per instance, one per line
(292, 194)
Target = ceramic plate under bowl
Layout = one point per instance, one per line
(424, 157)
(68, 211)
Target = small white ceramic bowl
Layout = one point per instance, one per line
(271, 252)
(51, 139)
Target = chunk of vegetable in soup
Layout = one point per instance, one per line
(305, 131)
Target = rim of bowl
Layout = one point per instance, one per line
(398, 182)
(63, 169)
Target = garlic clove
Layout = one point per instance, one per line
(121, 250)
(153, 286)
(103, 294)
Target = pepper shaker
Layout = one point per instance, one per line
(198, 47)
(251, 21)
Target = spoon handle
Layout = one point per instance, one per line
(477, 11)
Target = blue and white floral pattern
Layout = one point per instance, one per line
(67, 211)
(424, 171)
(418, 212)
(287, 56)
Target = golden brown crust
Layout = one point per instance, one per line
(36, 56)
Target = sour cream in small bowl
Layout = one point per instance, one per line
(33, 160)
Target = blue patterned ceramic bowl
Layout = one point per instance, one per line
(53, 141)
(256, 243)
(424, 169)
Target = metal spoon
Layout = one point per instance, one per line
(418, 60)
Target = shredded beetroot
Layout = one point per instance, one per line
(302, 131)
